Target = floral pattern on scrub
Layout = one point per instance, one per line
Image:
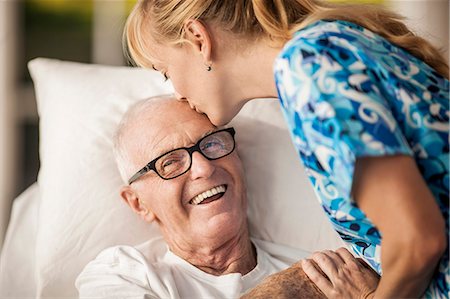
(346, 93)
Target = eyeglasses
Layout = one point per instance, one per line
(177, 162)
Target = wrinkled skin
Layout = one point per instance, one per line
(341, 275)
(327, 274)
(287, 284)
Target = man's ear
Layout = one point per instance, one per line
(131, 198)
(200, 37)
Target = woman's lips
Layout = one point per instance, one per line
(193, 107)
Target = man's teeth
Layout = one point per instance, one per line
(211, 192)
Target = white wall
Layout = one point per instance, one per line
(8, 128)
(109, 18)
(428, 18)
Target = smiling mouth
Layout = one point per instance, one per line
(208, 196)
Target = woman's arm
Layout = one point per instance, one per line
(392, 193)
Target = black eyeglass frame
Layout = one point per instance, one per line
(195, 148)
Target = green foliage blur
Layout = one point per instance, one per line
(60, 29)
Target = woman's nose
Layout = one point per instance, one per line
(179, 97)
(201, 167)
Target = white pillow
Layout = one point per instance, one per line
(80, 210)
(282, 204)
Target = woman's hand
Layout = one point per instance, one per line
(340, 275)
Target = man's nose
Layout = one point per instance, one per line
(180, 97)
(201, 167)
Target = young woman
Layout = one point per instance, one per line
(366, 101)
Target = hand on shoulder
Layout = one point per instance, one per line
(338, 274)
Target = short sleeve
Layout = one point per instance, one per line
(115, 274)
(333, 103)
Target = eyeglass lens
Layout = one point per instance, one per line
(212, 147)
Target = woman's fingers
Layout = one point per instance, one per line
(366, 266)
(335, 257)
(328, 262)
(348, 258)
(316, 276)
(343, 275)
(345, 254)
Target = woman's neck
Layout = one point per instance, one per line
(255, 69)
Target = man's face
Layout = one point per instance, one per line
(169, 202)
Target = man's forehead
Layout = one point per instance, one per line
(164, 142)
(165, 125)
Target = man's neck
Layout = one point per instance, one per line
(238, 255)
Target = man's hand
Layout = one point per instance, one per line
(340, 275)
(288, 284)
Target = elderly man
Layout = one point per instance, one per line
(193, 188)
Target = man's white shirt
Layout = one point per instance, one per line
(151, 270)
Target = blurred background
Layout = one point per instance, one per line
(90, 31)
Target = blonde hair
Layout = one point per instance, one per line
(277, 20)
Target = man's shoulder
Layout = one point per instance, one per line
(149, 252)
(279, 252)
(133, 269)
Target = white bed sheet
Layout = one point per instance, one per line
(17, 258)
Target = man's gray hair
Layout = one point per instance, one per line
(121, 154)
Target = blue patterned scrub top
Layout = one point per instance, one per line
(346, 93)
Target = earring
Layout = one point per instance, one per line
(208, 67)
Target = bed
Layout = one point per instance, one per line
(73, 211)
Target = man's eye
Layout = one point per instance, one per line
(212, 144)
(169, 162)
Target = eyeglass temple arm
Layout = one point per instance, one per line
(139, 174)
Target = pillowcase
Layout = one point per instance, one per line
(81, 212)
(281, 200)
